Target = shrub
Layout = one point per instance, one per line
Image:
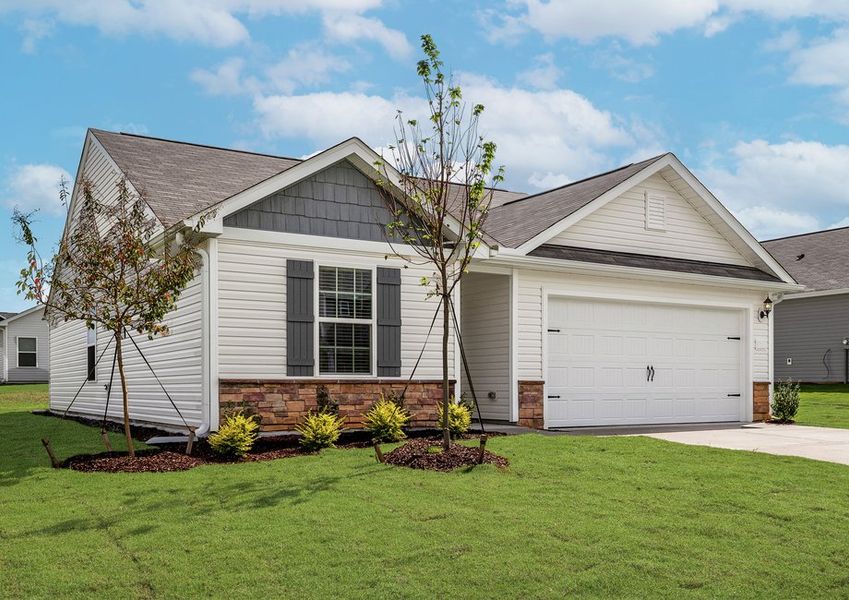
(236, 436)
(320, 430)
(385, 419)
(459, 417)
(785, 400)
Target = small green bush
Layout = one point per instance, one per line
(320, 430)
(459, 417)
(385, 420)
(785, 400)
(236, 436)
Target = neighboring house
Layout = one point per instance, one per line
(631, 297)
(24, 347)
(810, 326)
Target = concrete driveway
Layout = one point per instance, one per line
(818, 443)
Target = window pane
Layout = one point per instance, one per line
(345, 281)
(26, 344)
(326, 360)
(90, 360)
(344, 335)
(362, 361)
(362, 337)
(346, 306)
(344, 360)
(362, 307)
(326, 334)
(327, 278)
(364, 281)
(26, 359)
(91, 336)
(326, 304)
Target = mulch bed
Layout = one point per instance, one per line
(428, 454)
(146, 461)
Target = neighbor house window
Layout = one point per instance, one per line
(344, 320)
(27, 352)
(91, 346)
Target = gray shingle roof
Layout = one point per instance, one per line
(6, 315)
(824, 262)
(645, 261)
(517, 221)
(179, 179)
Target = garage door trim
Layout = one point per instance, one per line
(746, 334)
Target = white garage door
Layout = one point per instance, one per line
(628, 363)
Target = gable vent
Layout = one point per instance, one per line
(655, 212)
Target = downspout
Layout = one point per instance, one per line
(206, 345)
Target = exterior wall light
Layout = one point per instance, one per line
(766, 308)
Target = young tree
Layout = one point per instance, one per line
(114, 268)
(446, 178)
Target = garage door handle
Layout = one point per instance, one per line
(733, 395)
(553, 331)
(652, 373)
(648, 373)
(553, 397)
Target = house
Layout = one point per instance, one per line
(24, 347)
(811, 326)
(630, 297)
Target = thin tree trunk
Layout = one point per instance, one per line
(446, 432)
(130, 448)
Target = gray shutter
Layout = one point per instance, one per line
(300, 320)
(388, 322)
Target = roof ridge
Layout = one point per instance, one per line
(796, 235)
(183, 143)
(585, 179)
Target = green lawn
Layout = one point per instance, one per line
(585, 516)
(826, 405)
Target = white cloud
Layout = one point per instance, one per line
(225, 80)
(543, 75)
(776, 189)
(31, 187)
(644, 22)
(542, 136)
(823, 61)
(783, 42)
(346, 27)
(621, 66)
(209, 22)
(34, 30)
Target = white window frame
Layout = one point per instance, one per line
(371, 322)
(91, 330)
(18, 351)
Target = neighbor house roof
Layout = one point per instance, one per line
(517, 221)
(646, 261)
(818, 260)
(178, 179)
(6, 315)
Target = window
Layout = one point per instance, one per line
(27, 352)
(91, 347)
(344, 321)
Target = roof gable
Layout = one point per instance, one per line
(178, 179)
(819, 260)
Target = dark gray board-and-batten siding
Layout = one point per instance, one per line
(810, 332)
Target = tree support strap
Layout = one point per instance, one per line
(65, 414)
(171, 400)
(466, 366)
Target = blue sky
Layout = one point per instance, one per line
(751, 94)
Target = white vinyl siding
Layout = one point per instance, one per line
(530, 310)
(252, 305)
(177, 359)
(485, 321)
(621, 226)
(34, 326)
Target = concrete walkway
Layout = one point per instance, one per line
(818, 443)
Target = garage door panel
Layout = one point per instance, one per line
(599, 372)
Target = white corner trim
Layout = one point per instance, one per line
(514, 345)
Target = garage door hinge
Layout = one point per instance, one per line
(553, 331)
(554, 397)
(733, 395)
(733, 337)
